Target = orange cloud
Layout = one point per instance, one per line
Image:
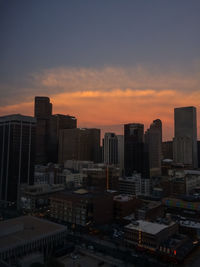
(114, 96)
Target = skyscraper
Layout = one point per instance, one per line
(43, 107)
(79, 144)
(17, 147)
(153, 138)
(185, 139)
(56, 123)
(120, 139)
(42, 111)
(47, 130)
(135, 151)
(110, 148)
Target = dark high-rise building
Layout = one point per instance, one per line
(43, 111)
(47, 130)
(167, 150)
(17, 147)
(79, 144)
(135, 151)
(198, 149)
(55, 124)
(120, 139)
(185, 136)
(43, 107)
(153, 138)
(110, 148)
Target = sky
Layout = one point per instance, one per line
(107, 62)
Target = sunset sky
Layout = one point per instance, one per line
(107, 62)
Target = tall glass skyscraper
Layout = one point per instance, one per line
(17, 154)
(185, 136)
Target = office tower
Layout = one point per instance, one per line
(185, 139)
(101, 178)
(135, 151)
(110, 148)
(167, 150)
(55, 124)
(17, 145)
(47, 130)
(43, 111)
(120, 139)
(153, 138)
(43, 107)
(79, 144)
(198, 154)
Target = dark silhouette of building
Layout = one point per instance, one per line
(153, 138)
(79, 144)
(42, 112)
(55, 124)
(136, 157)
(198, 150)
(47, 130)
(167, 149)
(185, 136)
(43, 107)
(17, 153)
(110, 148)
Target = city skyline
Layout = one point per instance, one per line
(107, 64)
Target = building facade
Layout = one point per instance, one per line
(25, 235)
(17, 153)
(110, 149)
(136, 157)
(134, 185)
(185, 136)
(82, 207)
(102, 178)
(42, 112)
(56, 123)
(153, 138)
(120, 139)
(79, 144)
(167, 150)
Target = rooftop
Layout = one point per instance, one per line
(190, 224)
(14, 232)
(17, 117)
(79, 194)
(123, 198)
(150, 205)
(147, 227)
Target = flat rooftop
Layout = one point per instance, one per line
(190, 224)
(147, 227)
(80, 193)
(150, 205)
(123, 198)
(17, 117)
(14, 232)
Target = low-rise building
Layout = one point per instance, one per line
(188, 207)
(34, 197)
(70, 179)
(150, 210)
(78, 165)
(124, 205)
(25, 235)
(134, 185)
(82, 207)
(148, 235)
(102, 177)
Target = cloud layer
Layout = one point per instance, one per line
(111, 95)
